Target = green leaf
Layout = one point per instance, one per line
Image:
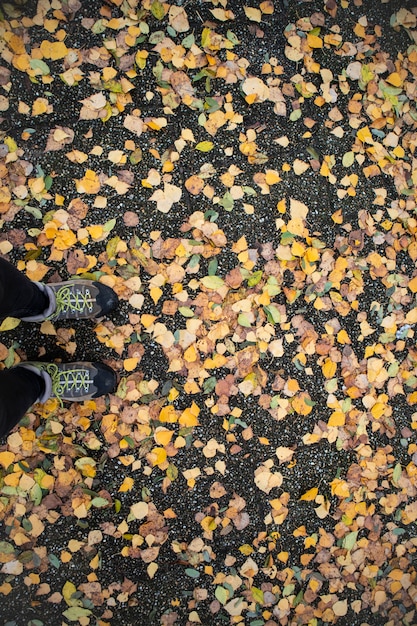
(188, 41)
(255, 278)
(38, 64)
(36, 495)
(348, 159)
(157, 10)
(349, 540)
(37, 213)
(205, 146)
(74, 613)
(6, 548)
(396, 474)
(209, 384)
(194, 261)
(98, 27)
(288, 590)
(186, 311)
(172, 472)
(99, 502)
(54, 561)
(212, 267)
(258, 595)
(212, 282)
(232, 37)
(227, 201)
(272, 314)
(243, 320)
(222, 594)
(108, 226)
(192, 573)
(295, 115)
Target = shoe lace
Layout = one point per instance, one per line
(69, 298)
(67, 381)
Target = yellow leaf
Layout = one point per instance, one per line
(267, 7)
(340, 488)
(314, 41)
(67, 591)
(163, 436)
(90, 183)
(190, 355)
(297, 249)
(127, 484)
(158, 456)
(189, 417)
(130, 364)
(272, 177)
(282, 206)
(310, 494)
(364, 135)
(299, 404)
(378, 410)
(168, 414)
(156, 293)
(394, 79)
(9, 323)
(147, 319)
(96, 231)
(337, 418)
(53, 49)
(329, 368)
(208, 523)
(343, 337)
(412, 285)
(40, 106)
(6, 457)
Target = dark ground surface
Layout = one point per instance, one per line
(183, 589)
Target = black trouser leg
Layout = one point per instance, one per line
(19, 296)
(19, 389)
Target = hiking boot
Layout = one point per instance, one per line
(73, 382)
(75, 299)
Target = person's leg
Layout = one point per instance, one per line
(19, 296)
(19, 389)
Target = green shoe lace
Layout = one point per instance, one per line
(67, 383)
(73, 300)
